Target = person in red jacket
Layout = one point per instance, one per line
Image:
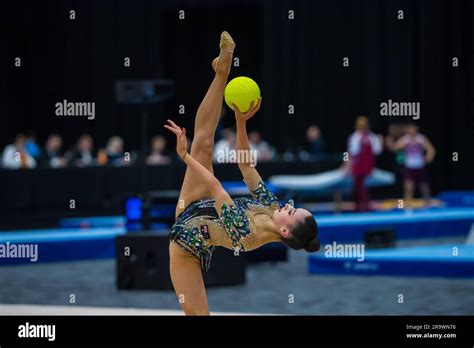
(363, 147)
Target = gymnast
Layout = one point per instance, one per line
(207, 217)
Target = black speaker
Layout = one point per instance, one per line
(380, 238)
(142, 262)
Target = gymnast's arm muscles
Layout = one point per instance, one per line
(208, 179)
(249, 173)
(252, 179)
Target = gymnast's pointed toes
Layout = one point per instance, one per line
(227, 43)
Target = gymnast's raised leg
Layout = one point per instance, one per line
(185, 270)
(207, 118)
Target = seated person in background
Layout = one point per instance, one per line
(15, 155)
(418, 152)
(157, 155)
(290, 150)
(81, 155)
(314, 147)
(113, 155)
(264, 151)
(51, 155)
(224, 147)
(31, 146)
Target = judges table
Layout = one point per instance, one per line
(99, 188)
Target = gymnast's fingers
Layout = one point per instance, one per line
(236, 108)
(174, 130)
(252, 105)
(174, 124)
(258, 104)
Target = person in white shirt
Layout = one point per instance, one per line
(224, 148)
(15, 155)
(263, 149)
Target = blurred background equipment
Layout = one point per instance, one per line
(143, 263)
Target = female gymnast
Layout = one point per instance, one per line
(207, 217)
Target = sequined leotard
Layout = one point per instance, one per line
(199, 228)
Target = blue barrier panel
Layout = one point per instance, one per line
(62, 245)
(451, 260)
(417, 224)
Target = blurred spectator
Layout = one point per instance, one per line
(418, 152)
(289, 153)
(114, 152)
(15, 155)
(394, 132)
(363, 147)
(223, 147)
(31, 146)
(51, 155)
(264, 151)
(314, 147)
(157, 155)
(81, 155)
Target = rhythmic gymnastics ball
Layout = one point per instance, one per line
(241, 91)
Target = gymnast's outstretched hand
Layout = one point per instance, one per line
(181, 143)
(241, 117)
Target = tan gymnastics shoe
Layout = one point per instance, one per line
(226, 44)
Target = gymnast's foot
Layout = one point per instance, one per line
(227, 42)
(223, 63)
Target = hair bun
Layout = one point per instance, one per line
(312, 245)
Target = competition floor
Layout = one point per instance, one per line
(267, 290)
(40, 310)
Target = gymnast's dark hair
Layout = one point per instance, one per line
(304, 235)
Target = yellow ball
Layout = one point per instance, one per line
(241, 91)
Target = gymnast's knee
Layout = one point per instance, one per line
(203, 142)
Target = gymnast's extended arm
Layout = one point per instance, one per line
(247, 168)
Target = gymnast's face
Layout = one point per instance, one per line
(287, 216)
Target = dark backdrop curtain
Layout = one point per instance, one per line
(295, 62)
